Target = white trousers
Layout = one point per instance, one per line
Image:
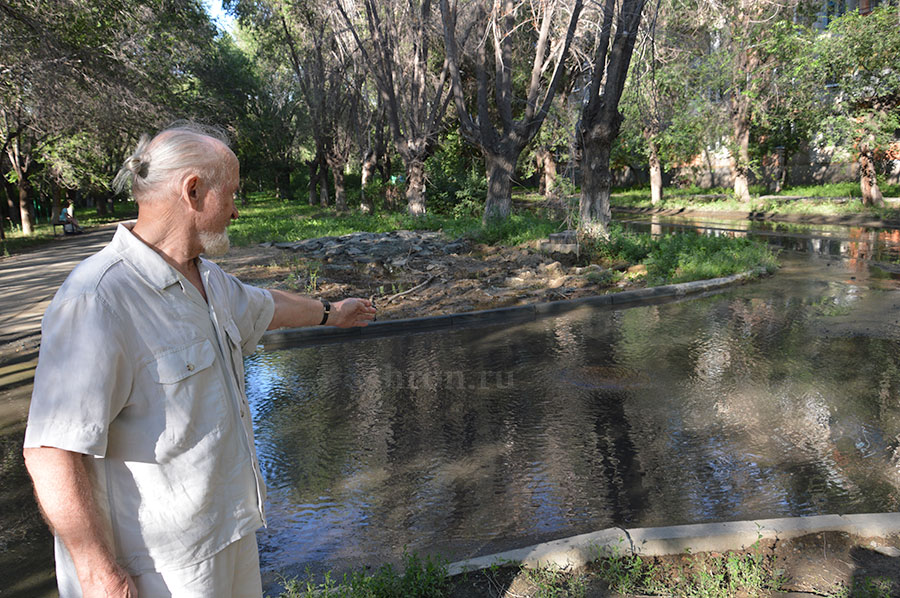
(233, 572)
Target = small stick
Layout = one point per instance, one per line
(415, 288)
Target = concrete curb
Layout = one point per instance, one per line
(577, 551)
(294, 337)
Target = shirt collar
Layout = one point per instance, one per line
(149, 264)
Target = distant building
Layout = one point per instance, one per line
(832, 9)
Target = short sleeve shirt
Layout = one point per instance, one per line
(136, 369)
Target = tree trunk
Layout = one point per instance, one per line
(656, 180)
(26, 210)
(101, 206)
(780, 169)
(415, 187)
(366, 203)
(9, 210)
(868, 182)
(283, 184)
(313, 180)
(323, 185)
(740, 153)
(340, 197)
(4, 214)
(546, 162)
(595, 187)
(500, 170)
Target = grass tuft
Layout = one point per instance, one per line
(420, 578)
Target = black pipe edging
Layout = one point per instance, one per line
(297, 337)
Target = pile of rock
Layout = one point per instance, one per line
(396, 248)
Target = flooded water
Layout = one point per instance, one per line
(776, 398)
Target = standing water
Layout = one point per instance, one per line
(776, 398)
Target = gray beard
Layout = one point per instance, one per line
(215, 244)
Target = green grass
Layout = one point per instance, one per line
(267, 219)
(708, 576)
(683, 257)
(420, 578)
(831, 199)
(676, 258)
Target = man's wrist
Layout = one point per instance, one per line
(326, 311)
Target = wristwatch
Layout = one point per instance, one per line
(327, 311)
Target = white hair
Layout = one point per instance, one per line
(181, 149)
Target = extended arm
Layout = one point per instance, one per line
(296, 310)
(63, 490)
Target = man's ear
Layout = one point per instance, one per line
(190, 191)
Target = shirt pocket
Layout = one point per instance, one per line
(191, 395)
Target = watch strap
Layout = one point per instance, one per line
(326, 311)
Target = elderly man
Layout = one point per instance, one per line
(139, 437)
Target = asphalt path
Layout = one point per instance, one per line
(29, 280)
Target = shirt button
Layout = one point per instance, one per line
(190, 367)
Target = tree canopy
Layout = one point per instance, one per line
(314, 93)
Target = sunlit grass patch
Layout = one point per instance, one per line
(830, 199)
(683, 257)
(420, 578)
(267, 219)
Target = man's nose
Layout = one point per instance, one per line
(234, 213)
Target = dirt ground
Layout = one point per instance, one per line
(825, 564)
(471, 277)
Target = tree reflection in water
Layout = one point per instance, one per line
(777, 398)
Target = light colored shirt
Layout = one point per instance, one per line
(136, 369)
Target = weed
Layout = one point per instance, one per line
(866, 587)
(421, 578)
(553, 583)
(700, 576)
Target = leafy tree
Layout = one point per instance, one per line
(85, 66)
(752, 41)
(858, 57)
(412, 87)
(312, 41)
(552, 146)
(665, 112)
(610, 56)
(504, 123)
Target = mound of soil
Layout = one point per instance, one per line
(415, 274)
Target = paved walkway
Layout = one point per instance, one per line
(29, 280)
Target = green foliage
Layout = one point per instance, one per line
(827, 199)
(858, 58)
(690, 256)
(865, 587)
(682, 257)
(265, 218)
(713, 576)
(553, 583)
(621, 245)
(456, 178)
(519, 228)
(421, 578)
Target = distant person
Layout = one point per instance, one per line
(68, 214)
(139, 438)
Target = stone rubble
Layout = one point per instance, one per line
(396, 248)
